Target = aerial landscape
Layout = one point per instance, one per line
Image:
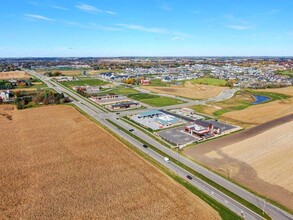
(146, 110)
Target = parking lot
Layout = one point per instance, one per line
(223, 126)
(177, 136)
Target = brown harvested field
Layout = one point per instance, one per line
(259, 158)
(24, 89)
(56, 164)
(13, 74)
(258, 114)
(188, 90)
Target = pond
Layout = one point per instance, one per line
(260, 99)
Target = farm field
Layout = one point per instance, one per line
(154, 100)
(263, 154)
(188, 90)
(13, 74)
(56, 164)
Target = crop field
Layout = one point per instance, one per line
(13, 74)
(188, 90)
(84, 81)
(210, 81)
(56, 164)
(261, 161)
(154, 100)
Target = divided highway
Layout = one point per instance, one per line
(273, 211)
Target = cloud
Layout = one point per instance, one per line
(177, 38)
(93, 9)
(92, 26)
(59, 7)
(38, 17)
(151, 29)
(238, 27)
(88, 8)
(111, 12)
(143, 29)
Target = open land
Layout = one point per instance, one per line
(73, 72)
(155, 100)
(259, 158)
(56, 164)
(85, 81)
(239, 110)
(258, 114)
(188, 90)
(13, 74)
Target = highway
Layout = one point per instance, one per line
(273, 211)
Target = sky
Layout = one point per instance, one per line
(99, 28)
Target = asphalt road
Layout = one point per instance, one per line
(273, 211)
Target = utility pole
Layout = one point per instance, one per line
(264, 205)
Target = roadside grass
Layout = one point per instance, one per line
(84, 81)
(200, 176)
(154, 100)
(210, 81)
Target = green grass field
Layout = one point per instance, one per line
(158, 82)
(120, 90)
(210, 81)
(154, 100)
(285, 73)
(84, 81)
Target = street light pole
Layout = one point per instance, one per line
(264, 205)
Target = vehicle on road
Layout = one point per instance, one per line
(167, 159)
(189, 177)
(131, 130)
(145, 146)
(118, 113)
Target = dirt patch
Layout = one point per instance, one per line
(13, 74)
(56, 164)
(263, 153)
(188, 90)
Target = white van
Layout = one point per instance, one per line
(167, 159)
